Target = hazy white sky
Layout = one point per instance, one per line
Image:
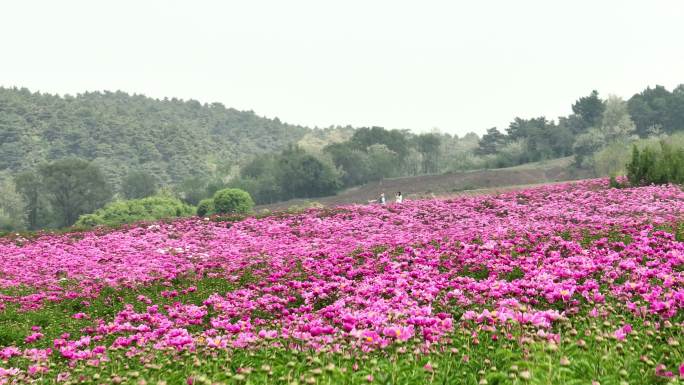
(457, 65)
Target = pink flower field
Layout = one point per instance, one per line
(570, 273)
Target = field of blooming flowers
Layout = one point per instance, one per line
(564, 284)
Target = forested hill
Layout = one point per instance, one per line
(170, 138)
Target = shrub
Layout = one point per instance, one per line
(139, 184)
(90, 220)
(128, 211)
(611, 160)
(205, 207)
(232, 200)
(656, 165)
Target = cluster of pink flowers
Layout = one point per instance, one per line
(365, 276)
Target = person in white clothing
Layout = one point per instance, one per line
(398, 198)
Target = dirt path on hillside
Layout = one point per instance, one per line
(445, 184)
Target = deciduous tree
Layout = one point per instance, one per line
(74, 187)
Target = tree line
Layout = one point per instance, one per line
(594, 125)
(63, 157)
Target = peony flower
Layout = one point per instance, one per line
(661, 371)
(33, 337)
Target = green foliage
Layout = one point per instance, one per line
(477, 272)
(353, 163)
(614, 183)
(395, 140)
(318, 138)
(263, 189)
(589, 111)
(382, 162)
(28, 184)
(428, 145)
(611, 160)
(74, 187)
(232, 201)
(515, 274)
(171, 139)
(657, 109)
(12, 206)
(616, 123)
(599, 146)
(375, 153)
(205, 207)
(135, 210)
(139, 184)
(193, 190)
(656, 165)
(258, 167)
(527, 140)
(212, 186)
(491, 142)
(512, 153)
(303, 175)
(586, 144)
(543, 138)
(294, 173)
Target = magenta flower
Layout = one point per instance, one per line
(621, 333)
(5, 373)
(33, 337)
(661, 371)
(362, 277)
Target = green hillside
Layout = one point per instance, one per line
(170, 138)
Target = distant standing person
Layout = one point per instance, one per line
(398, 198)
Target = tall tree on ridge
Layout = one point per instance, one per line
(589, 109)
